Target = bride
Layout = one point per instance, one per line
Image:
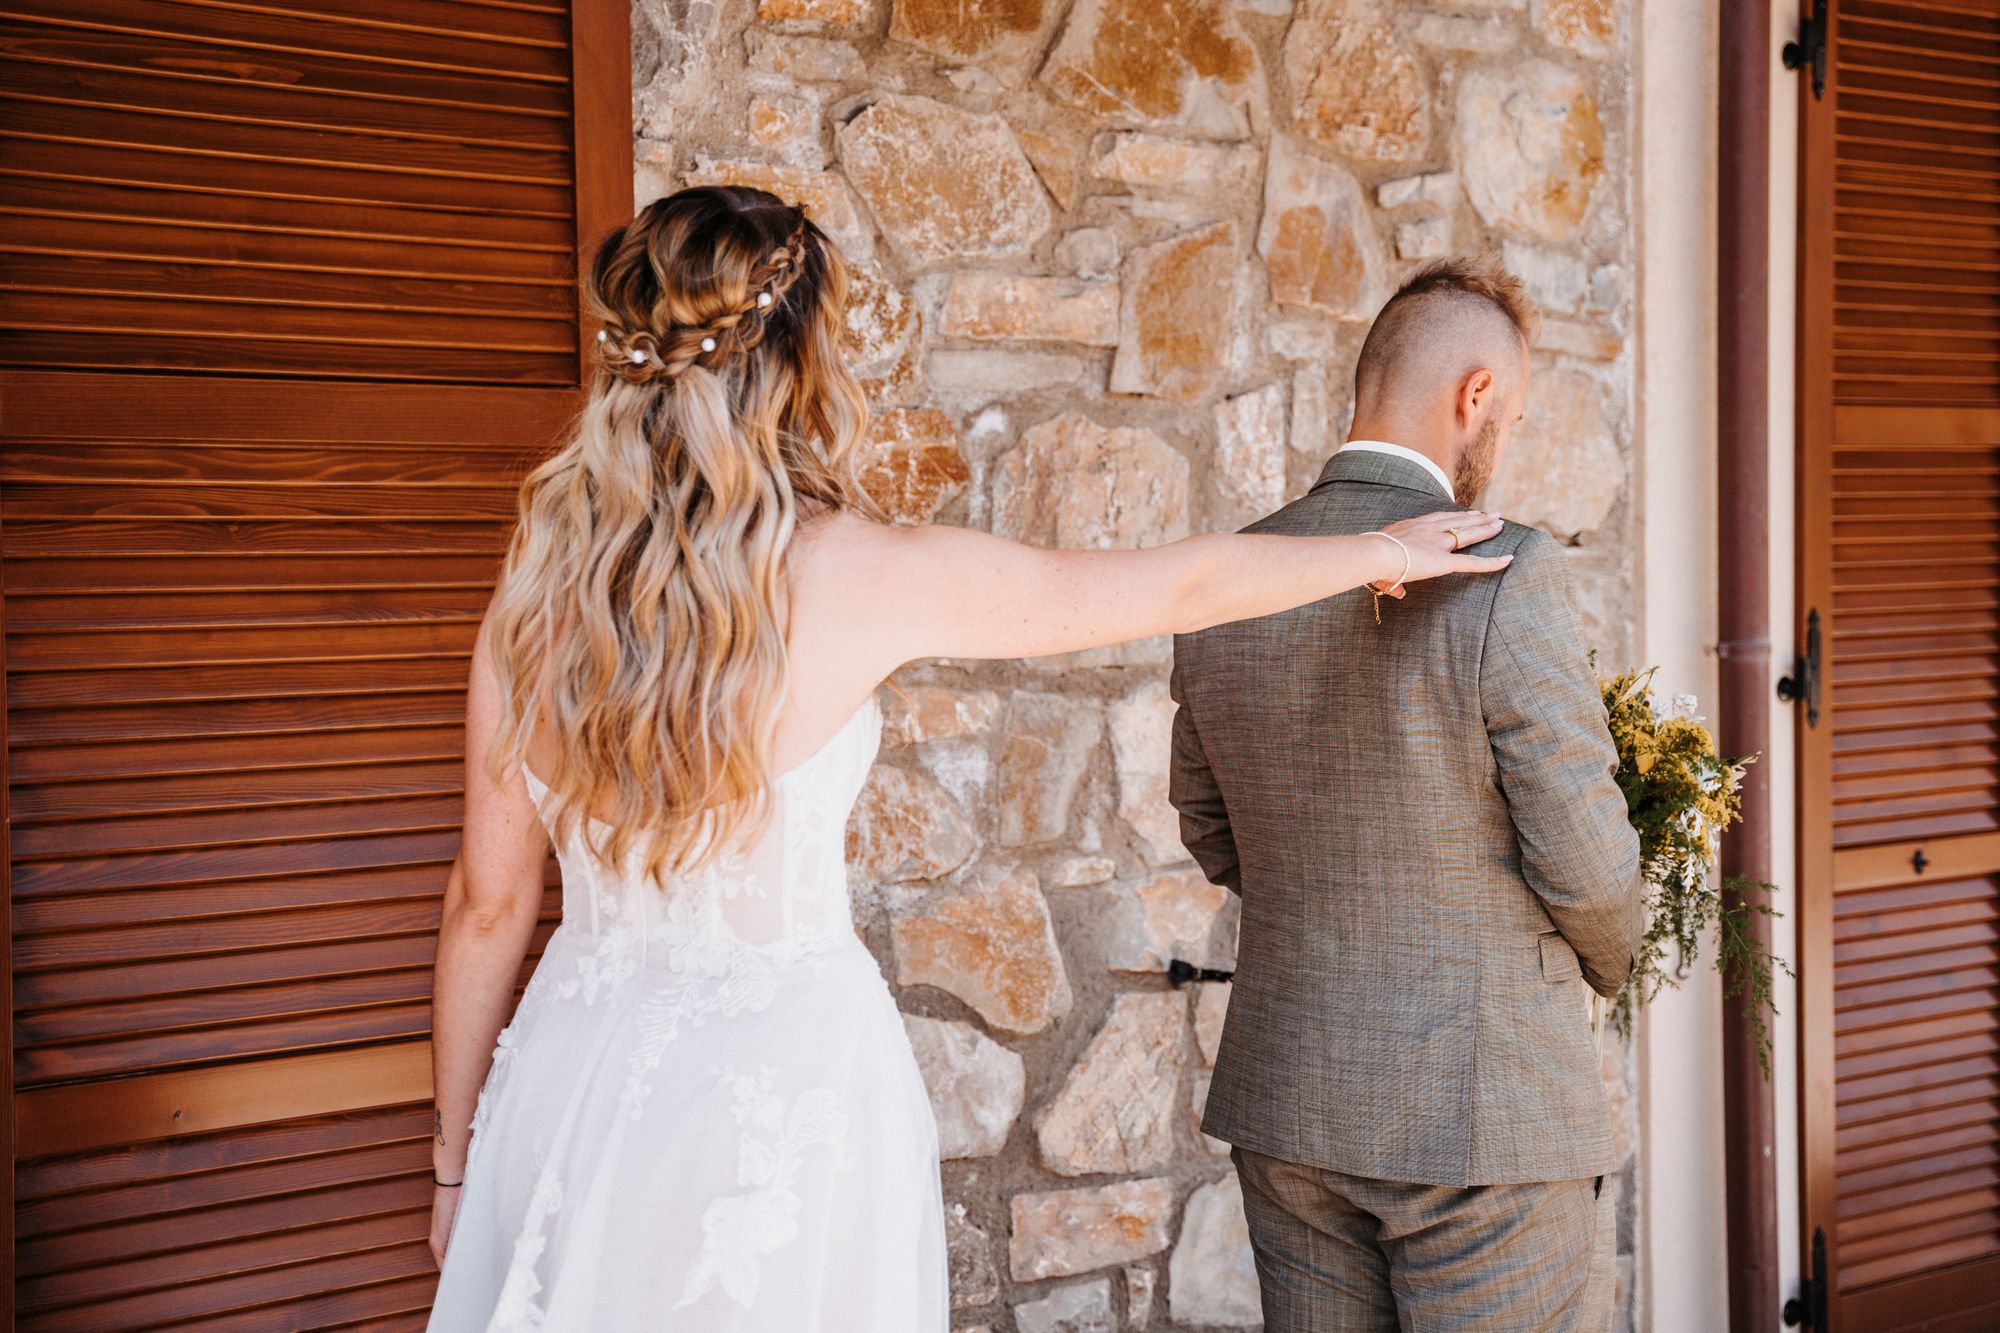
(704, 1114)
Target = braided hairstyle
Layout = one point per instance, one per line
(643, 605)
(658, 349)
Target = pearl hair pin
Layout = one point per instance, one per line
(763, 299)
(638, 357)
(708, 344)
(602, 336)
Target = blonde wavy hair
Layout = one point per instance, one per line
(644, 596)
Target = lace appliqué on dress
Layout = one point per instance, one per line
(746, 985)
(738, 1230)
(505, 1046)
(516, 1310)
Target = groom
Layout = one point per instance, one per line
(1420, 818)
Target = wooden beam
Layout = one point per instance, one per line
(79, 1117)
(601, 140)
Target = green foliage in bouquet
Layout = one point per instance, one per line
(1680, 795)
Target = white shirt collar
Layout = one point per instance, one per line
(1398, 451)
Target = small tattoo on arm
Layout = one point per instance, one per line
(437, 1119)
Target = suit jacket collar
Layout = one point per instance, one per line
(1373, 469)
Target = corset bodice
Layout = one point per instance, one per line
(784, 895)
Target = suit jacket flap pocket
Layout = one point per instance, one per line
(1558, 959)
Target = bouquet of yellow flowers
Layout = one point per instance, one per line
(1680, 795)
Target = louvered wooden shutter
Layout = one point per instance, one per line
(287, 306)
(1900, 570)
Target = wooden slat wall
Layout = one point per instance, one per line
(287, 306)
(381, 192)
(1900, 555)
(305, 1223)
(235, 702)
(234, 780)
(1916, 286)
(1914, 649)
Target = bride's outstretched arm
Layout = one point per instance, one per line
(970, 594)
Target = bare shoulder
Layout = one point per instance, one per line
(841, 550)
(855, 551)
(857, 591)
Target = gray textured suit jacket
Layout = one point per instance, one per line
(1421, 820)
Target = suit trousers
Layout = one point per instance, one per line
(1338, 1253)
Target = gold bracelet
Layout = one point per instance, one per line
(1377, 592)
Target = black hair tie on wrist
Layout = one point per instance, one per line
(447, 1184)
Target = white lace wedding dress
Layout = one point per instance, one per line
(705, 1114)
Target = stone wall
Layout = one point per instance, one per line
(1115, 260)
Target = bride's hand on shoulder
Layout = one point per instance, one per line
(1437, 544)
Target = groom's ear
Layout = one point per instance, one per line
(1477, 397)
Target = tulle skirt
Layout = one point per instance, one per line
(742, 1147)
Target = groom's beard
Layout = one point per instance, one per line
(1475, 465)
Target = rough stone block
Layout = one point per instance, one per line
(976, 1085)
(1564, 468)
(910, 464)
(979, 374)
(1179, 322)
(915, 714)
(1155, 162)
(1089, 252)
(1046, 746)
(1317, 240)
(1530, 146)
(1005, 306)
(786, 125)
(834, 13)
(1081, 1307)
(807, 59)
(943, 183)
(1212, 1277)
(1003, 36)
(1141, 734)
(1436, 188)
(1359, 89)
(1176, 914)
(1182, 62)
(1140, 1281)
(1211, 1007)
(906, 827)
(993, 948)
(1426, 238)
(1480, 35)
(1249, 460)
(1065, 1232)
(1587, 27)
(1073, 483)
(1116, 1110)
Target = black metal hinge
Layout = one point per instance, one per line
(1802, 686)
(1808, 1308)
(1809, 51)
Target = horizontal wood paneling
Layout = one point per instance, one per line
(1913, 652)
(287, 307)
(271, 1226)
(224, 735)
(382, 192)
(1916, 220)
(1900, 436)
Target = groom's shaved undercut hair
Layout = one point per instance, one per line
(1451, 316)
